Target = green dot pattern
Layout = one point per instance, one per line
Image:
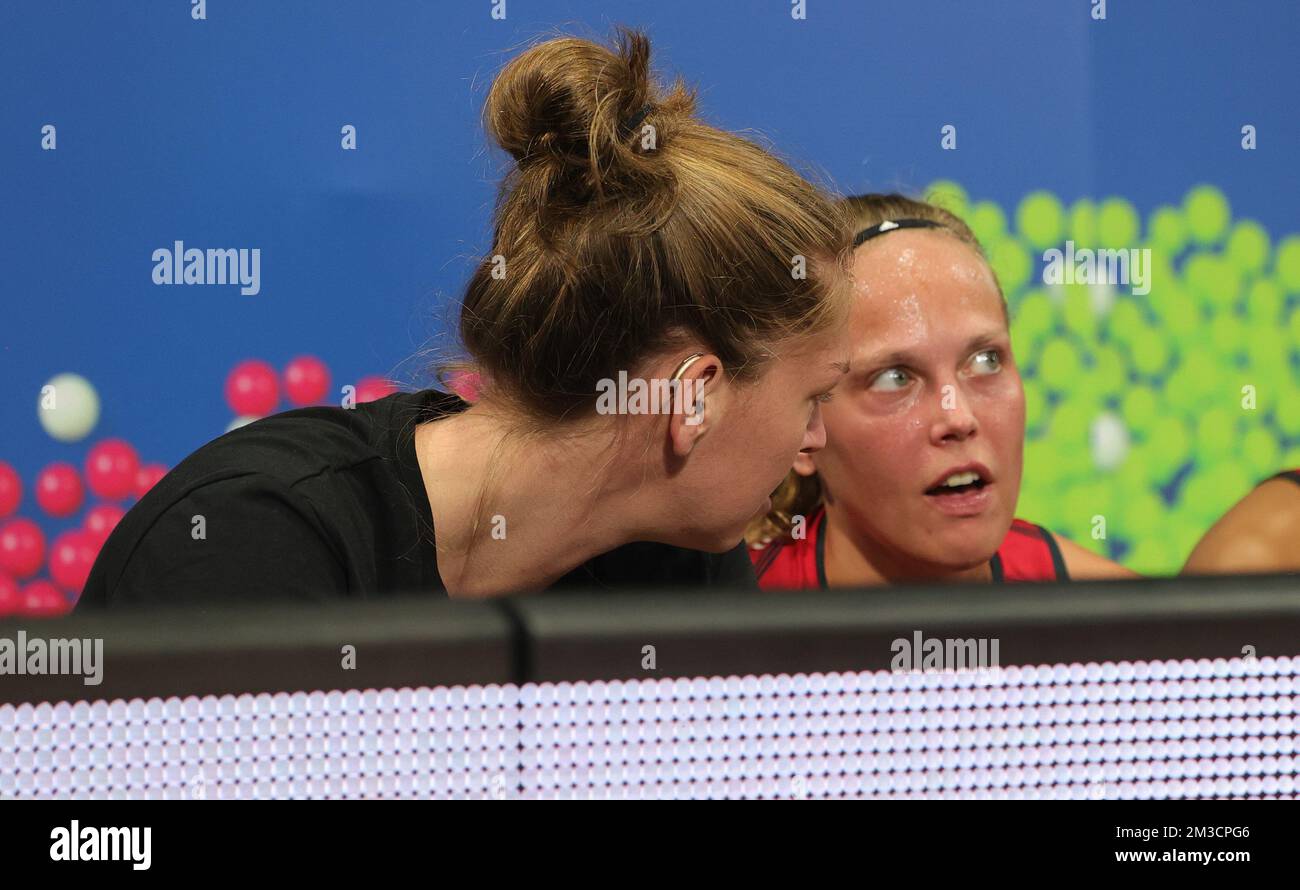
(1202, 368)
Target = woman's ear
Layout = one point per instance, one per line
(698, 391)
(684, 434)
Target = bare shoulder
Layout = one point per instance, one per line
(1084, 565)
(1260, 533)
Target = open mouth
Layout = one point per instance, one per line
(958, 484)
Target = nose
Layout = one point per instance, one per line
(954, 421)
(814, 438)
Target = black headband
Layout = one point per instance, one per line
(889, 225)
(635, 120)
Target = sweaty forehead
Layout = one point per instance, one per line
(915, 275)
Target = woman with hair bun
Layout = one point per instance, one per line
(921, 471)
(632, 243)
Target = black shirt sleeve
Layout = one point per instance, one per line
(243, 539)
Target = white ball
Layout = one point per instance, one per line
(242, 420)
(1103, 298)
(68, 407)
(1110, 441)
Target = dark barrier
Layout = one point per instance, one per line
(1158, 689)
(419, 641)
(572, 639)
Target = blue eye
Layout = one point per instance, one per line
(987, 362)
(890, 380)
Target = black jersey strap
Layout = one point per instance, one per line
(1293, 475)
(769, 556)
(1058, 561)
(820, 550)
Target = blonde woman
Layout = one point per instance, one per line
(921, 471)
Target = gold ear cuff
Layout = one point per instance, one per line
(685, 366)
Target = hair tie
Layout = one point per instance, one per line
(889, 225)
(629, 125)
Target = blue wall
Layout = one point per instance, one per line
(225, 133)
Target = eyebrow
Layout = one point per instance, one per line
(842, 367)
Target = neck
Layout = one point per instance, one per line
(515, 514)
(856, 559)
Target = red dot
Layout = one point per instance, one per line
(59, 490)
(110, 469)
(101, 519)
(41, 599)
(147, 477)
(252, 388)
(10, 599)
(22, 547)
(370, 389)
(11, 490)
(71, 556)
(306, 380)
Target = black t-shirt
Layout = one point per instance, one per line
(322, 503)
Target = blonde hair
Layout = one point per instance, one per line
(626, 223)
(799, 495)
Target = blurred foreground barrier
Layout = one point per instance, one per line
(1179, 688)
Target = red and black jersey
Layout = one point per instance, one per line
(1028, 553)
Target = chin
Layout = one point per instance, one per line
(966, 551)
